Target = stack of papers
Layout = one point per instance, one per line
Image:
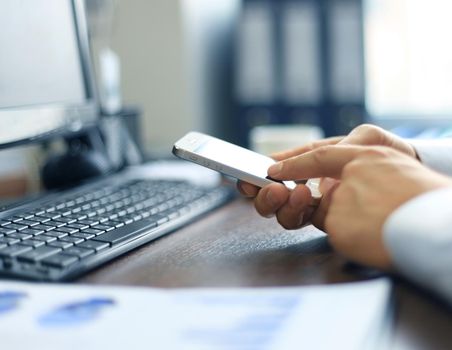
(40, 316)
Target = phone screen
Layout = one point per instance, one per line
(236, 157)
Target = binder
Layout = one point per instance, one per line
(302, 81)
(301, 63)
(346, 86)
(255, 67)
(256, 74)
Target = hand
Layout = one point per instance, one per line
(291, 208)
(375, 181)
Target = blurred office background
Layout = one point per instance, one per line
(226, 67)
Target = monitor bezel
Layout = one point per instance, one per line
(56, 119)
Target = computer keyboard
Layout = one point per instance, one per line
(71, 233)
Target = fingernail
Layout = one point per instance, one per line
(300, 220)
(275, 169)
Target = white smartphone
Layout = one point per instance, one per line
(231, 160)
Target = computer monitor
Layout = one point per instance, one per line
(46, 84)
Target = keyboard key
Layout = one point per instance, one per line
(16, 219)
(103, 227)
(29, 223)
(113, 216)
(4, 222)
(60, 260)
(83, 235)
(97, 246)
(70, 203)
(78, 216)
(122, 213)
(65, 220)
(60, 244)
(92, 231)
(57, 224)
(116, 224)
(25, 215)
(16, 227)
(78, 226)
(67, 229)
(65, 212)
(46, 227)
(79, 252)
(20, 235)
(39, 219)
(57, 234)
(173, 215)
(86, 206)
(39, 253)
(89, 222)
(9, 240)
(50, 215)
(126, 232)
(45, 238)
(126, 220)
(72, 239)
(101, 219)
(6, 231)
(100, 211)
(137, 217)
(32, 231)
(145, 214)
(14, 250)
(34, 243)
(158, 219)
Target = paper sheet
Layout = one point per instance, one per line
(42, 316)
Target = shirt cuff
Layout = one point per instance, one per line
(436, 154)
(418, 236)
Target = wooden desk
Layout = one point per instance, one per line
(233, 246)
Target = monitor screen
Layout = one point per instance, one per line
(408, 59)
(45, 80)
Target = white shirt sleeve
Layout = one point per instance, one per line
(436, 154)
(418, 234)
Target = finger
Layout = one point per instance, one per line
(326, 183)
(292, 214)
(318, 218)
(306, 148)
(270, 199)
(366, 135)
(326, 161)
(247, 190)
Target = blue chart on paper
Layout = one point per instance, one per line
(76, 313)
(258, 320)
(10, 300)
